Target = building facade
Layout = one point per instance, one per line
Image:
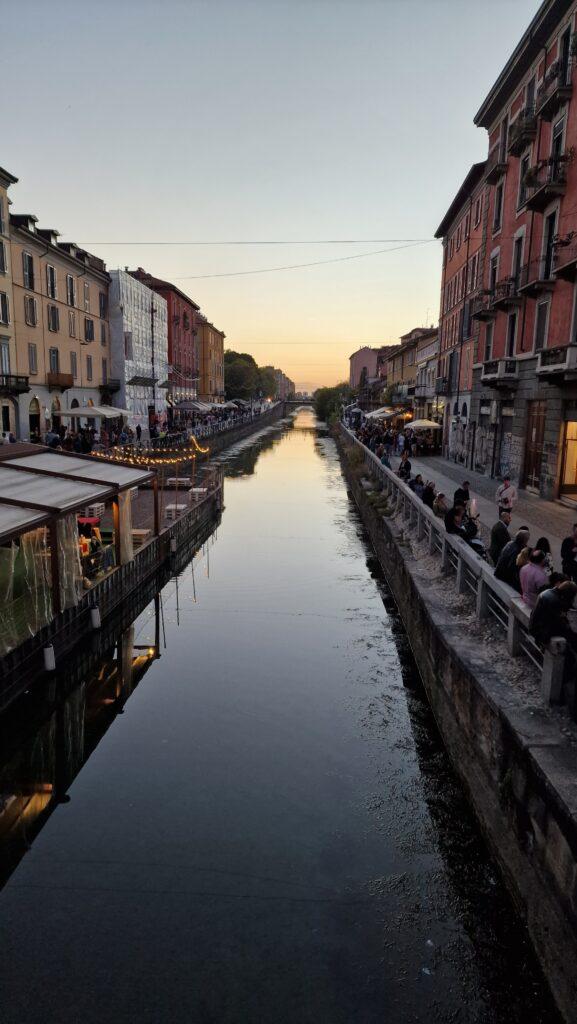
(362, 366)
(426, 401)
(525, 373)
(11, 386)
(184, 342)
(211, 361)
(139, 350)
(463, 231)
(61, 326)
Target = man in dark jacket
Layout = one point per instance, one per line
(569, 555)
(462, 495)
(549, 616)
(500, 536)
(506, 569)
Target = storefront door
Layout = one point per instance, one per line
(534, 450)
(569, 474)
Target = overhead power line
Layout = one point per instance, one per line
(276, 241)
(299, 266)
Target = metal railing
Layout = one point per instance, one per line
(494, 600)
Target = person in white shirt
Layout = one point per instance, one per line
(506, 495)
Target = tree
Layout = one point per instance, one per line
(328, 401)
(267, 381)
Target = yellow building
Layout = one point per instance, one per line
(10, 384)
(60, 320)
(211, 384)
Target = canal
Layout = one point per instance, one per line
(244, 812)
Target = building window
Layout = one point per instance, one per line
(467, 225)
(473, 269)
(4, 309)
(32, 358)
(71, 323)
(54, 360)
(524, 165)
(70, 290)
(4, 356)
(30, 310)
(2, 224)
(50, 282)
(28, 270)
(86, 297)
(498, 210)
(103, 334)
(103, 305)
(477, 212)
(488, 342)
(53, 318)
(541, 325)
(105, 371)
(128, 344)
(88, 367)
(3, 263)
(73, 365)
(493, 273)
(88, 329)
(511, 334)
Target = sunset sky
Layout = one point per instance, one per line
(294, 122)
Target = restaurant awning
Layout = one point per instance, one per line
(95, 412)
(14, 521)
(98, 470)
(380, 414)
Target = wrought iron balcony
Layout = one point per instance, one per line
(59, 381)
(506, 293)
(555, 91)
(442, 386)
(496, 165)
(13, 384)
(523, 131)
(537, 276)
(565, 260)
(545, 181)
(500, 373)
(111, 385)
(482, 305)
(557, 364)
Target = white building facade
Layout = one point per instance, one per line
(139, 350)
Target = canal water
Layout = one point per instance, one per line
(244, 813)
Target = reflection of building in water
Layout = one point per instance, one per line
(45, 744)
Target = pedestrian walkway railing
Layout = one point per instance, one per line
(494, 600)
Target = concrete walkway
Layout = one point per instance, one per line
(544, 518)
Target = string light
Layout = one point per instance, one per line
(153, 456)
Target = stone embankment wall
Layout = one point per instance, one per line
(518, 760)
(221, 441)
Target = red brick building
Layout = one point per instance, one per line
(525, 373)
(463, 231)
(183, 338)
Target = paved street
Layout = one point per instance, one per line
(544, 518)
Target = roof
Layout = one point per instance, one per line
(156, 283)
(473, 178)
(6, 178)
(549, 15)
(35, 487)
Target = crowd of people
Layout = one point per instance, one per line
(525, 566)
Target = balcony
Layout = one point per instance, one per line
(565, 260)
(496, 165)
(506, 293)
(545, 181)
(424, 391)
(537, 276)
(482, 307)
(500, 373)
(442, 386)
(557, 364)
(110, 386)
(523, 131)
(59, 381)
(13, 384)
(554, 92)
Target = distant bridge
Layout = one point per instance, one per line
(298, 401)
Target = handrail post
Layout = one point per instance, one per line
(420, 525)
(553, 670)
(445, 563)
(513, 633)
(432, 540)
(482, 608)
(461, 582)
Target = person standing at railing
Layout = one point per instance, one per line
(507, 569)
(569, 555)
(462, 495)
(533, 577)
(404, 470)
(549, 620)
(500, 535)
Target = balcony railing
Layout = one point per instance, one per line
(555, 91)
(442, 386)
(555, 363)
(13, 384)
(424, 391)
(111, 385)
(482, 305)
(522, 131)
(496, 165)
(506, 293)
(60, 381)
(545, 181)
(500, 373)
(537, 276)
(565, 260)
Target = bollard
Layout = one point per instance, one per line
(553, 670)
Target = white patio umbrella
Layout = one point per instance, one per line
(424, 425)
